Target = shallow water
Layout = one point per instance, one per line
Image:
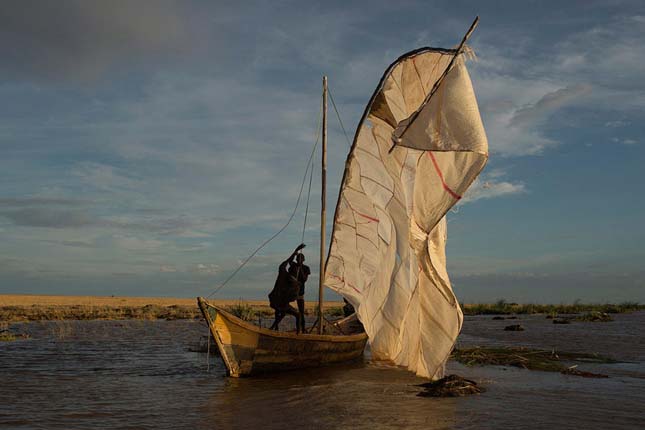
(141, 374)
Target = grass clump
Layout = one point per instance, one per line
(87, 312)
(7, 336)
(336, 311)
(243, 311)
(502, 307)
(595, 316)
(450, 386)
(525, 358)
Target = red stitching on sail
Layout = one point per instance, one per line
(361, 214)
(368, 217)
(445, 186)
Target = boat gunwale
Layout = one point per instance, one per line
(280, 334)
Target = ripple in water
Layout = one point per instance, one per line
(134, 374)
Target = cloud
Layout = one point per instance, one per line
(71, 243)
(80, 40)
(56, 218)
(133, 243)
(624, 141)
(200, 159)
(48, 217)
(608, 55)
(537, 112)
(523, 88)
(40, 201)
(616, 124)
(490, 185)
(104, 177)
(206, 268)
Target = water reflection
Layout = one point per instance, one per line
(357, 396)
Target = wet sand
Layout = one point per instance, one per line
(141, 374)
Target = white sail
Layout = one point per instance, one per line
(387, 254)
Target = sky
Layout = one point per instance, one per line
(148, 147)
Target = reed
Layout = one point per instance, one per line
(502, 307)
(336, 311)
(84, 312)
(525, 358)
(243, 311)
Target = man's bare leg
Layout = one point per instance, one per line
(301, 310)
(296, 314)
(278, 317)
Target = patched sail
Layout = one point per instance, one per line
(387, 252)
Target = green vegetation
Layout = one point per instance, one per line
(450, 386)
(8, 336)
(83, 312)
(247, 312)
(594, 316)
(243, 311)
(502, 307)
(525, 358)
(336, 311)
(253, 311)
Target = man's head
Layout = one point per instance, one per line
(300, 258)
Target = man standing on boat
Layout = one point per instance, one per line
(301, 272)
(286, 290)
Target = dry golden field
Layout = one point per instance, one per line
(25, 307)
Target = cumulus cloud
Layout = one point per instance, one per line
(40, 201)
(133, 243)
(522, 88)
(48, 217)
(71, 243)
(624, 141)
(616, 124)
(196, 162)
(206, 268)
(76, 39)
(537, 112)
(608, 55)
(491, 185)
(104, 177)
(51, 216)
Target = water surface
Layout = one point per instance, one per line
(141, 374)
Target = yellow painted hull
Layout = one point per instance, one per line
(248, 349)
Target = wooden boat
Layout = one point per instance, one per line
(248, 349)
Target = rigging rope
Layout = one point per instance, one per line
(338, 116)
(295, 209)
(304, 224)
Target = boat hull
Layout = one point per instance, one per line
(248, 349)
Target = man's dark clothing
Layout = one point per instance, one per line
(301, 273)
(285, 290)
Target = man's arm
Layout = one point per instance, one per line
(283, 265)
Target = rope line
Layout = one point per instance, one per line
(304, 224)
(295, 209)
(338, 116)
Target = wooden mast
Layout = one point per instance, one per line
(323, 201)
